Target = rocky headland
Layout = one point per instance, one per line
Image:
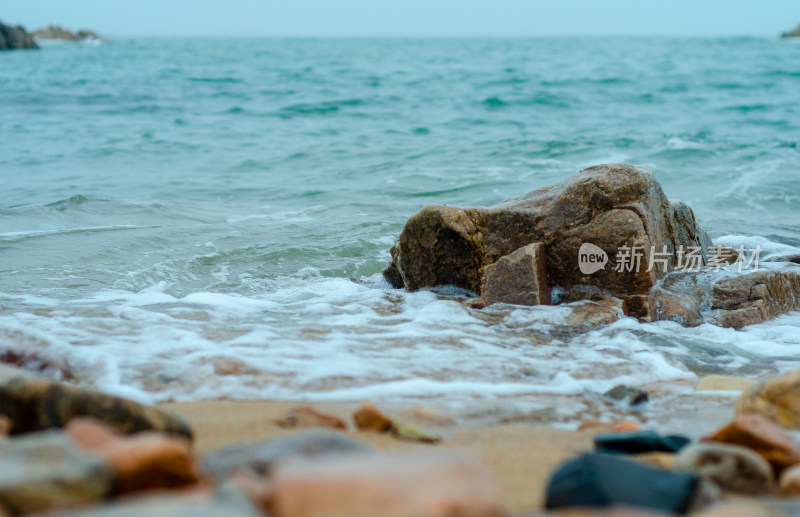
(12, 38)
(56, 32)
(792, 33)
(608, 233)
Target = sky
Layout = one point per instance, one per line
(409, 17)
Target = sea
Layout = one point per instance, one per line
(188, 219)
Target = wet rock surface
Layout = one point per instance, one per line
(611, 206)
(36, 405)
(733, 301)
(519, 278)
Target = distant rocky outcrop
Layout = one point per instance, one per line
(15, 38)
(792, 34)
(56, 32)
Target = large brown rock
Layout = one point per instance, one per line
(777, 399)
(519, 278)
(410, 485)
(733, 301)
(609, 206)
(37, 404)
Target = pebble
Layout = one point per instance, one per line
(145, 461)
(766, 438)
(732, 467)
(307, 416)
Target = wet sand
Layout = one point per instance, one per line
(521, 456)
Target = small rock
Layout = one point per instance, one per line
(601, 480)
(777, 399)
(48, 471)
(794, 259)
(594, 313)
(762, 436)
(410, 433)
(410, 485)
(628, 394)
(625, 426)
(725, 383)
(369, 418)
(639, 442)
(5, 426)
(518, 278)
(790, 482)
(307, 416)
(259, 458)
(36, 405)
(732, 467)
(228, 501)
(145, 461)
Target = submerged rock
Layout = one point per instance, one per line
(630, 395)
(777, 399)
(612, 207)
(48, 471)
(36, 405)
(692, 298)
(12, 38)
(732, 467)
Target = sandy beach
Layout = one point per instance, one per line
(521, 457)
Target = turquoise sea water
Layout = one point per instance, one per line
(195, 218)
